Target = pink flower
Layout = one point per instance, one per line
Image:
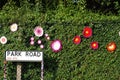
(32, 38)
(3, 40)
(41, 46)
(46, 35)
(56, 45)
(31, 42)
(38, 31)
(39, 41)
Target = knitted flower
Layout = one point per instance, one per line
(31, 42)
(3, 40)
(56, 45)
(41, 46)
(38, 31)
(32, 38)
(94, 45)
(14, 27)
(46, 35)
(39, 41)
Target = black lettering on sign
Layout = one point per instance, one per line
(33, 54)
(15, 53)
(27, 53)
(38, 54)
(8, 53)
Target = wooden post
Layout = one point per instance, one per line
(5, 70)
(19, 66)
(42, 68)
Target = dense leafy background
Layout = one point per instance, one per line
(61, 20)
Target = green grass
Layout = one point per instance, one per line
(74, 62)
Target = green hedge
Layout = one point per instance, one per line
(74, 62)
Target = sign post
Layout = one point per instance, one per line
(42, 69)
(25, 56)
(5, 72)
(18, 76)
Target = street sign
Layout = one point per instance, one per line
(24, 56)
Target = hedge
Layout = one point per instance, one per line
(74, 62)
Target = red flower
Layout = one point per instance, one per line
(87, 32)
(77, 40)
(111, 47)
(94, 45)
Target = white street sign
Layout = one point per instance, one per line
(25, 56)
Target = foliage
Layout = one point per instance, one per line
(74, 62)
(104, 6)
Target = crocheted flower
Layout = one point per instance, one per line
(3, 40)
(41, 46)
(31, 42)
(14, 27)
(32, 38)
(56, 45)
(39, 41)
(38, 31)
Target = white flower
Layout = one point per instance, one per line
(119, 33)
(3, 40)
(48, 38)
(14, 27)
